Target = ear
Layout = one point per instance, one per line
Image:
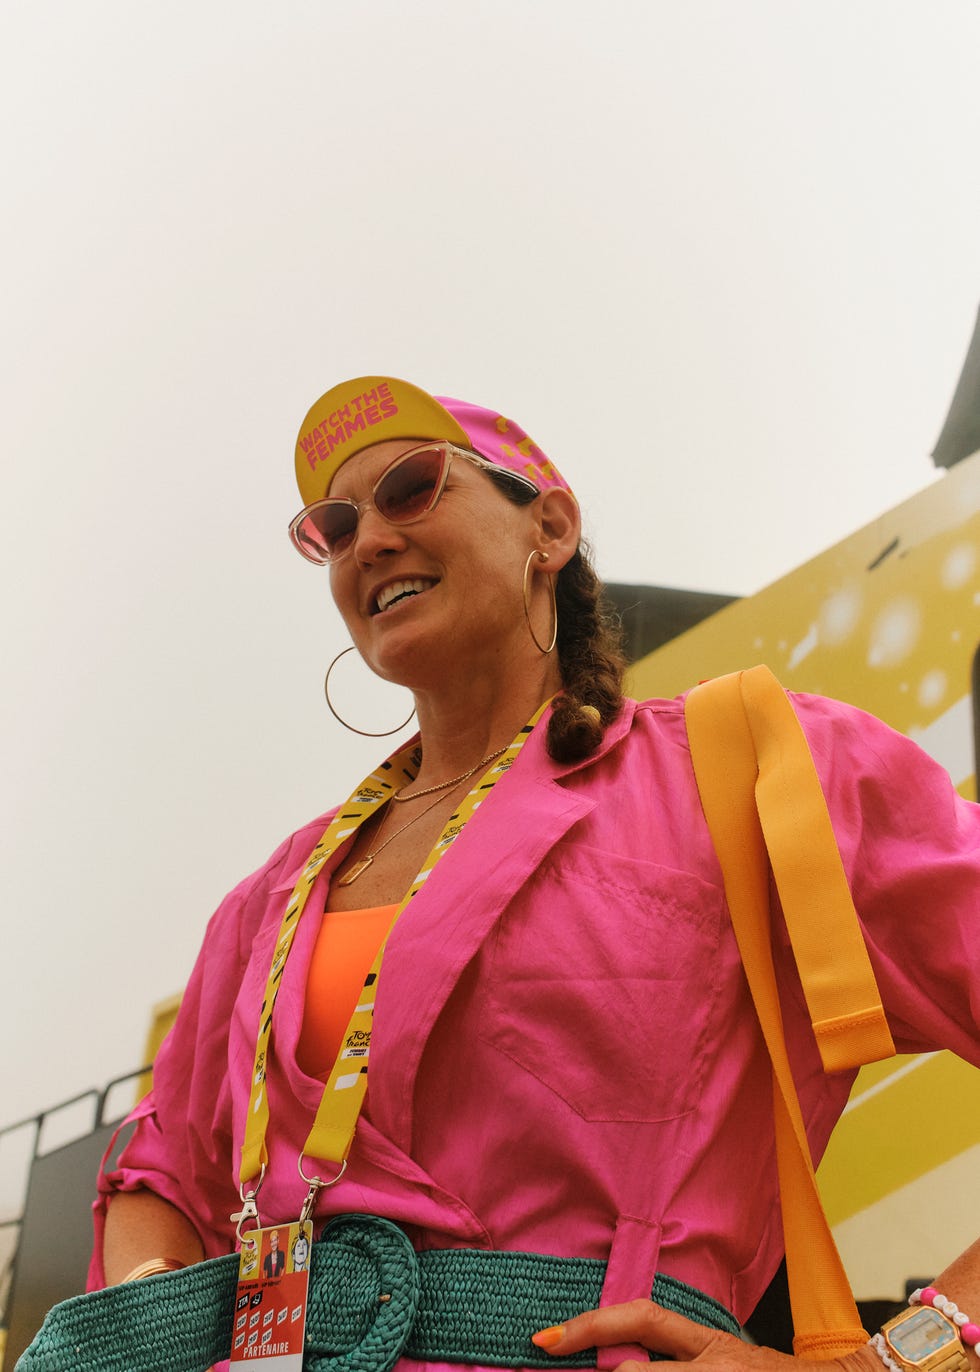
(559, 526)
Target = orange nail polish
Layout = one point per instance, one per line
(547, 1338)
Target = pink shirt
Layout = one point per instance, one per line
(566, 1058)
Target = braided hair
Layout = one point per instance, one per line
(590, 651)
(591, 660)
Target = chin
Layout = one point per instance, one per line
(391, 650)
(402, 663)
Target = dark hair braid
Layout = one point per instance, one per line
(591, 659)
(590, 649)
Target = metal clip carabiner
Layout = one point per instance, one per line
(316, 1185)
(249, 1210)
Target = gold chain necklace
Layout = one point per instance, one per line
(399, 799)
(350, 877)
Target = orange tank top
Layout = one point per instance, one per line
(345, 948)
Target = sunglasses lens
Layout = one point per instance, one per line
(409, 488)
(412, 486)
(327, 531)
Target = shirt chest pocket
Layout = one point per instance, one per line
(601, 980)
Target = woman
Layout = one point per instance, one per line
(564, 1056)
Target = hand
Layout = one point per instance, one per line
(680, 1339)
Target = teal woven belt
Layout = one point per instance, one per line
(372, 1300)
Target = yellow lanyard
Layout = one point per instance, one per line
(336, 1119)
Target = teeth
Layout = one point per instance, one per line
(394, 589)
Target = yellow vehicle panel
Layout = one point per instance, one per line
(889, 620)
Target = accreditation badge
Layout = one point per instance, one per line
(270, 1301)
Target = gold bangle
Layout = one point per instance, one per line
(152, 1268)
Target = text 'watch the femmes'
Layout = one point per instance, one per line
(924, 1339)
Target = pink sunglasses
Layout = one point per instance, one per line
(406, 490)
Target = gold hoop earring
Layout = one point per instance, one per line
(527, 609)
(365, 733)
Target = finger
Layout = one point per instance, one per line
(642, 1322)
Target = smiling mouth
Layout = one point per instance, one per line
(397, 591)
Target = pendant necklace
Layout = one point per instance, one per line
(364, 863)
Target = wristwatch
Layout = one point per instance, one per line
(924, 1339)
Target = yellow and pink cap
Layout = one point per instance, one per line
(373, 409)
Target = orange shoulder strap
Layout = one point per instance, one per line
(764, 806)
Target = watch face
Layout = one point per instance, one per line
(925, 1332)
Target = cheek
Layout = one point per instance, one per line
(344, 597)
(340, 589)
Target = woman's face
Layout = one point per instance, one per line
(424, 599)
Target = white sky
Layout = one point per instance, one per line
(722, 260)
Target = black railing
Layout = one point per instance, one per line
(49, 1161)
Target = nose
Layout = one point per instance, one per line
(375, 536)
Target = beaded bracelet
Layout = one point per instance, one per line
(877, 1342)
(928, 1295)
